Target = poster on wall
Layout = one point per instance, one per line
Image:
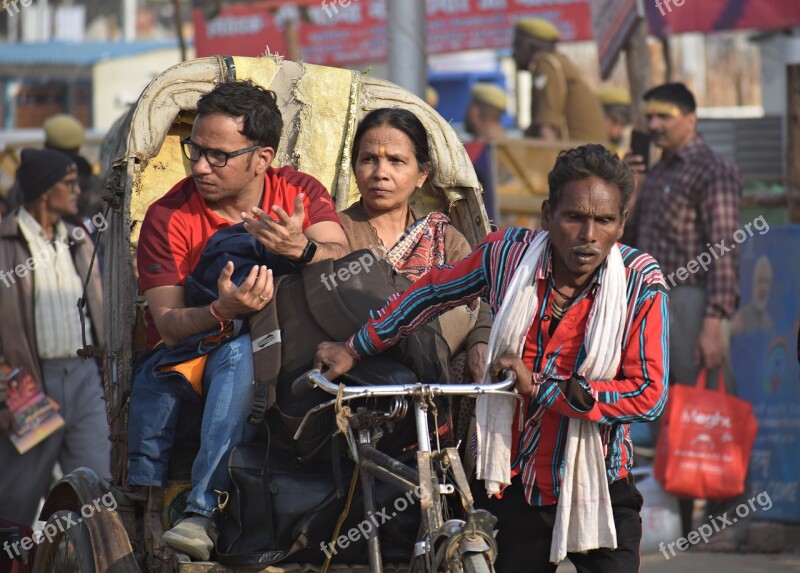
(763, 349)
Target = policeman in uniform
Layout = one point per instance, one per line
(563, 106)
(484, 117)
(617, 107)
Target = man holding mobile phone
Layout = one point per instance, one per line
(688, 202)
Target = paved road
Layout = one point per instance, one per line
(701, 562)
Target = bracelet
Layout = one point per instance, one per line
(223, 321)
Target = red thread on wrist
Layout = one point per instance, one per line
(223, 320)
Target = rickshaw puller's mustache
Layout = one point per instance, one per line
(584, 248)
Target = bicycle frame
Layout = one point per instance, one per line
(439, 542)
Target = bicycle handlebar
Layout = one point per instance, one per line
(315, 378)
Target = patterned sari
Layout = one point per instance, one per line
(421, 247)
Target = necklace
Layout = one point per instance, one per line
(568, 299)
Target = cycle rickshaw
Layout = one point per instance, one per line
(321, 108)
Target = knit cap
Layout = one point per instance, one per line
(40, 169)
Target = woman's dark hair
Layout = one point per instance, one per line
(592, 160)
(262, 122)
(402, 120)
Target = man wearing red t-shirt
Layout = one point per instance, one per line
(289, 214)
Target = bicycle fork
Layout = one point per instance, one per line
(368, 487)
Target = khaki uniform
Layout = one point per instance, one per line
(562, 98)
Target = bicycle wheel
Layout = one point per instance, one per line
(476, 563)
(69, 550)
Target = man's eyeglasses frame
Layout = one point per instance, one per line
(187, 144)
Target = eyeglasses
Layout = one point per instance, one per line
(215, 157)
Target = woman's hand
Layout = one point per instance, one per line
(476, 361)
(510, 359)
(333, 359)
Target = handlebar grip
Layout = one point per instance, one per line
(507, 375)
(301, 385)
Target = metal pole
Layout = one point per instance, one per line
(44, 21)
(408, 54)
(129, 20)
(179, 28)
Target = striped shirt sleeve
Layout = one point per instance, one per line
(639, 392)
(434, 293)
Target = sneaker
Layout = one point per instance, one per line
(190, 536)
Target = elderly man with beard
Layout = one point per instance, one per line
(582, 320)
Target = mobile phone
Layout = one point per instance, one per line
(640, 145)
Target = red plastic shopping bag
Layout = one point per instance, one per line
(705, 442)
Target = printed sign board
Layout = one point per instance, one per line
(765, 366)
(345, 32)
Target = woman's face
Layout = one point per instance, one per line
(386, 169)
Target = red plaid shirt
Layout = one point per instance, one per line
(688, 206)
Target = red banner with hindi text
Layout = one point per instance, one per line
(346, 32)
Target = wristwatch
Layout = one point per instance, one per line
(308, 252)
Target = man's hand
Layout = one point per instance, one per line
(710, 348)
(283, 237)
(549, 132)
(510, 359)
(635, 163)
(333, 359)
(476, 361)
(253, 294)
(639, 168)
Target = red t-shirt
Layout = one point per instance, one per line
(177, 226)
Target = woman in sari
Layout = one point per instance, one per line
(391, 159)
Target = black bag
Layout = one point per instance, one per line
(276, 508)
(318, 305)
(284, 502)
(280, 509)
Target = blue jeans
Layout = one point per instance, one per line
(228, 397)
